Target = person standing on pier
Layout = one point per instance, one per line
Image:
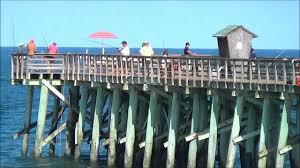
(187, 50)
(252, 54)
(124, 50)
(52, 49)
(20, 51)
(146, 50)
(31, 48)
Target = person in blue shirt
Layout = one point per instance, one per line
(252, 54)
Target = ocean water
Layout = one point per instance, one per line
(12, 106)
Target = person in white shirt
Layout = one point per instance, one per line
(124, 50)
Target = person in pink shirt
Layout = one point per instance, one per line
(52, 49)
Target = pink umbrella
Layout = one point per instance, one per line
(103, 35)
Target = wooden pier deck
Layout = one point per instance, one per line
(175, 111)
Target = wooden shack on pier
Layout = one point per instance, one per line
(234, 41)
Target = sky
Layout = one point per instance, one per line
(163, 23)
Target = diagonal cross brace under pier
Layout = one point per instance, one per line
(53, 134)
(56, 92)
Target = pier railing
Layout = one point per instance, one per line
(200, 71)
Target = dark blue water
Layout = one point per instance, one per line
(12, 106)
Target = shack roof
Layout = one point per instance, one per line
(227, 30)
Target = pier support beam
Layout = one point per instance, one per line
(150, 128)
(81, 120)
(225, 114)
(264, 131)
(27, 120)
(295, 153)
(202, 145)
(142, 117)
(238, 110)
(192, 155)
(173, 131)
(250, 143)
(283, 132)
(72, 119)
(114, 116)
(41, 121)
(56, 108)
(93, 93)
(131, 123)
(213, 128)
(97, 124)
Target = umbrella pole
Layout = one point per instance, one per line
(102, 48)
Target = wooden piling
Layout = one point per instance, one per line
(141, 120)
(93, 104)
(250, 143)
(41, 121)
(56, 108)
(142, 116)
(27, 120)
(203, 124)
(97, 124)
(225, 114)
(81, 120)
(173, 131)
(192, 155)
(295, 152)
(238, 110)
(150, 130)
(264, 131)
(159, 153)
(283, 132)
(123, 114)
(116, 102)
(131, 123)
(71, 121)
(213, 128)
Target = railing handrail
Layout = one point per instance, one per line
(173, 56)
(203, 71)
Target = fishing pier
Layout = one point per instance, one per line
(187, 111)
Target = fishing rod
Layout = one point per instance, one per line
(103, 44)
(280, 54)
(13, 29)
(45, 40)
(277, 57)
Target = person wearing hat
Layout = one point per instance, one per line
(146, 50)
